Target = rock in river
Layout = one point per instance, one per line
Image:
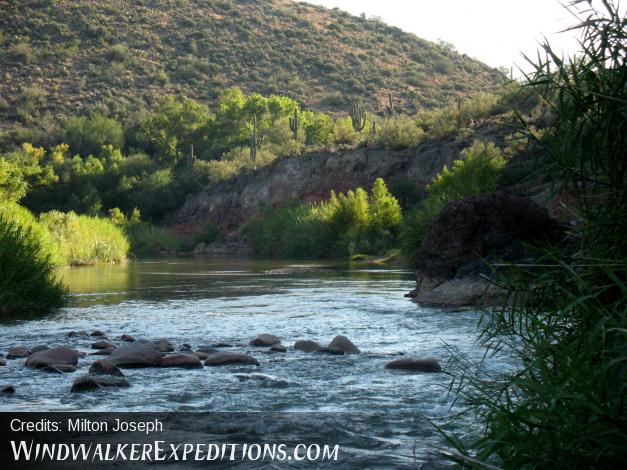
(137, 354)
(183, 361)
(226, 358)
(345, 344)
(278, 348)
(127, 338)
(163, 345)
(97, 333)
(307, 346)
(102, 345)
(54, 358)
(104, 367)
(92, 382)
(17, 352)
(335, 351)
(265, 340)
(8, 389)
(414, 364)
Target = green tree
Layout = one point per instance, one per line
(87, 135)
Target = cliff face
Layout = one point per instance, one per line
(311, 177)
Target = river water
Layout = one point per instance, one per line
(205, 301)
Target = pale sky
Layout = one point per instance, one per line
(493, 31)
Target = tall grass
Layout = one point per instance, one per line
(28, 283)
(566, 315)
(84, 240)
(147, 239)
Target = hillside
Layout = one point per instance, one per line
(67, 57)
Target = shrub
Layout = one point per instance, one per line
(319, 129)
(399, 132)
(477, 171)
(344, 134)
(85, 240)
(28, 284)
(209, 233)
(87, 135)
(344, 225)
(148, 239)
(22, 52)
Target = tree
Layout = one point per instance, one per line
(87, 135)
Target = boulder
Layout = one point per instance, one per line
(127, 338)
(222, 345)
(104, 367)
(8, 389)
(185, 347)
(163, 345)
(183, 361)
(278, 348)
(41, 347)
(344, 344)
(3, 361)
(54, 357)
(265, 340)
(102, 345)
(414, 364)
(17, 352)
(470, 233)
(202, 355)
(93, 382)
(136, 354)
(97, 333)
(327, 350)
(206, 349)
(226, 358)
(307, 346)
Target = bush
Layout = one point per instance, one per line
(28, 285)
(343, 226)
(319, 130)
(209, 233)
(85, 240)
(345, 135)
(399, 132)
(148, 239)
(477, 171)
(87, 135)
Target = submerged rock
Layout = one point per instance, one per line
(344, 344)
(18, 352)
(127, 338)
(222, 345)
(97, 333)
(327, 350)
(278, 348)
(59, 368)
(55, 358)
(102, 345)
(3, 362)
(414, 364)
(307, 346)
(226, 358)
(137, 354)
(74, 334)
(265, 340)
(104, 367)
(183, 361)
(93, 382)
(8, 389)
(206, 349)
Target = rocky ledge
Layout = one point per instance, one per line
(454, 259)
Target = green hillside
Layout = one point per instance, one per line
(117, 56)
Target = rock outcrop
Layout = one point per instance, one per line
(312, 176)
(470, 233)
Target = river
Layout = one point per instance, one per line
(205, 301)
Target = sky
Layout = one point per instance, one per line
(494, 31)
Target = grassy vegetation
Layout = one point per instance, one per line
(126, 53)
(146, 238)
(565, 319)
(84, 240)
(345, 225)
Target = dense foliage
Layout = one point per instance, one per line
(106, 56)
(346, 224)
(565, 318)
(28, 284)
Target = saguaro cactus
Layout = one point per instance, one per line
(358, 117)
(390, 106)
(459, 112)
(253, 143)
(295, 124)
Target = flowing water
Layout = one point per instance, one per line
(205, 301)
